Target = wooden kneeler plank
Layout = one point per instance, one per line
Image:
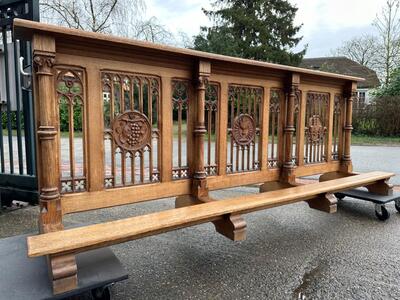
(105, 234)
(324, 202)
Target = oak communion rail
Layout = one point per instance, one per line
(122, 121)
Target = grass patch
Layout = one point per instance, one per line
(375, 140)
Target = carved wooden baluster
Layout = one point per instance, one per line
(288, 167)
(63, 270)
(199, 188)
(231, 226)
(350, 94)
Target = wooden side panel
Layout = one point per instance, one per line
(166, 129)
(95, 129)
(264, 129)
(223, 125)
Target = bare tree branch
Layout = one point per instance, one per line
(388, 27)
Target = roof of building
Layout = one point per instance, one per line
(343, 65)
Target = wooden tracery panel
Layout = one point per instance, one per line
(211, 123)
(317, 119)
(180, 115)
(71, 100)
(275, 127)
(244, 117)
(131, 129)
(336, 130)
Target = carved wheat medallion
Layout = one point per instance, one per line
(315, 129)
(132, 131)
(243, 129)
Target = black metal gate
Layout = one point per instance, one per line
(18, 179)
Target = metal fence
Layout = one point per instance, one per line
(18, 179)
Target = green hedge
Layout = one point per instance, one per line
(380, 118)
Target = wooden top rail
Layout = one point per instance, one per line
(100, 235)
(26, 28)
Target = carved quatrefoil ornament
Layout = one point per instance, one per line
(243, 129)
(132, 131)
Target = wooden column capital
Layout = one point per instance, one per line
(43, 62)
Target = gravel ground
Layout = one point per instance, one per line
(290, 251)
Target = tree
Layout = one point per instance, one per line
(390, 89)
(361, 49)
(90, 15)
(258, 29)
(388, 27)
(386, 106)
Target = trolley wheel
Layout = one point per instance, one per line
(381, 212)
(397, 205)
(102, 293)
(339, 196)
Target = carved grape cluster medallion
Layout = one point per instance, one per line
(132, 131)
(243, 129)
(315, 129)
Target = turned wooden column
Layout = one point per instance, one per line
(288, 165)
(199, 187)
(46, 105)
(350, 95)
(63, 268)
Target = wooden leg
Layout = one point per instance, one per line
(325, 202)
(186, 200)
(382, 187)
(230, 226)
(274, 185)
(63, 273)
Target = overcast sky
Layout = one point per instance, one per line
(326, 23)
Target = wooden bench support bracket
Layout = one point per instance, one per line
(231, 226)
(274, 185)
(334, 175)
(381, 187)
(324, 202)
(63, 273)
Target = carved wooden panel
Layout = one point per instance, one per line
(180, 115)
(71, 100)
(316, 123)
(131, 128)
(275, 127)
(211, 122)
(337, 125)
(296, 133)
(244, 117)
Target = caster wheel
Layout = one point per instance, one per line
(102, 293)
(339, 196)
(381, 212)
(397, 205)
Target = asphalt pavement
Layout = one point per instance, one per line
(289, 251)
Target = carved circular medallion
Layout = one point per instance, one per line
(243, 129)
(315, 128)
(132, 130)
